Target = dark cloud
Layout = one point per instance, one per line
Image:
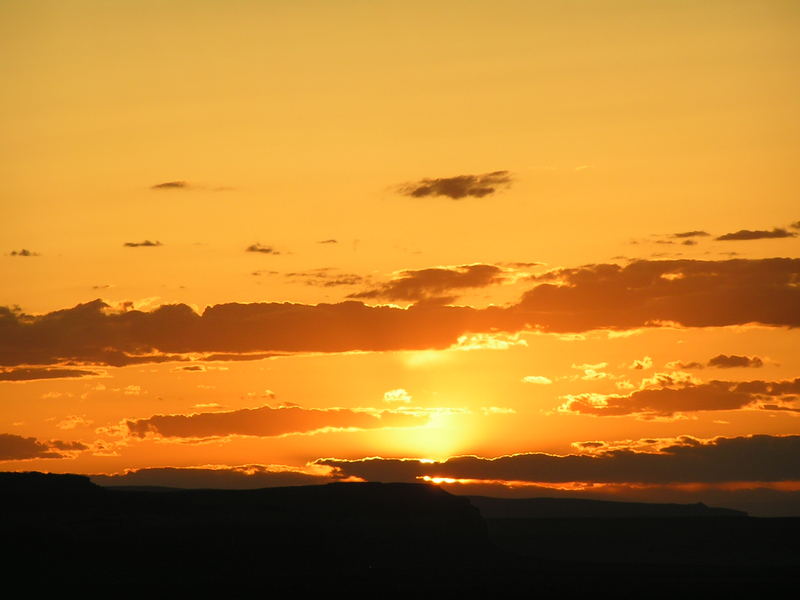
(23, 252)
(687, 460)
(692, 293)
(673, 397)
(266, 421)
(229, 478)
(144, 244)
(688, 293)
(690, 234)
(724, 361)
(223, 357)
(262, 249)
(795, 225)
(331, 241)
(458, 187)
(439, 283)
(16, 447)
(170, 185)
(758, 234)
(29, 374)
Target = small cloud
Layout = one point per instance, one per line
(144, 244)
(436, 283)
(398, 395)
(724, 361)
(497, 410)
(23, 252)
(795, 225)
(757, 234)
(676, 364)
(261, 249)
(537, 379)
(170, 185)
(326, 277)
(331, 241)
(73, 421)
(458, 187)
(690, 234)
(641, 364)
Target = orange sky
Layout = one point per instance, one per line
(505, 229)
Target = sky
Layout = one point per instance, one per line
(510, 248)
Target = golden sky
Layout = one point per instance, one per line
(263, 241)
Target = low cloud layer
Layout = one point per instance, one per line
(686, 460)
(239, 477)
(458, 187)
(266, 421)
(684, 293)
(17, 447)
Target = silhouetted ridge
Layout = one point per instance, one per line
(577, 508)
(34, 482)
(131, 536)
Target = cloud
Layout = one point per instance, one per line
(15, 447)
(217, 477)
(690, 234)
(330, 241)
(266, 421)
(537, 379)
(669, 397)
(461, 186)
(758, 234)
(144, 244)
(398, 395)
(23, 252)
(30, 374)
(170, 185)
(691, 293)
(795, 225)
(683, 460)
(327, 277)
(261, 249)
(676, 364)
(435, 283)
(685, 293)
(724, 361)
(642, 363)
(721, 361)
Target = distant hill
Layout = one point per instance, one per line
(578, 508)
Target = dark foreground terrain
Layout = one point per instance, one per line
(377, 540)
